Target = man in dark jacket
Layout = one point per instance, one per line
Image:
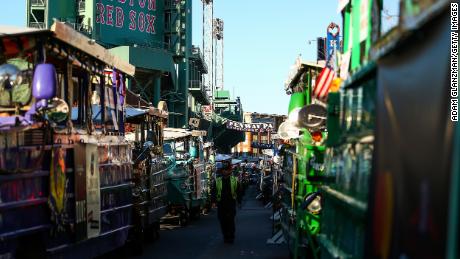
(225, 194)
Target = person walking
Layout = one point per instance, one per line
(225, 194)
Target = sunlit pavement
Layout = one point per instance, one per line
(202, 238)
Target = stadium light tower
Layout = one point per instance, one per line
(208, 46)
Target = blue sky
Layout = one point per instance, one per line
(262, 40)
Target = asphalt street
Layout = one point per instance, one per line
(202, 238)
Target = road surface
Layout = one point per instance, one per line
(202, 238)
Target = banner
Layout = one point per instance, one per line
(206, 109)
(332, 39)
(93, 192)
(207, 112)
(249, 127)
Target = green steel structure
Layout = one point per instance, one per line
(389, 183)
(302, 171)
(226, 108)
(390, 156)
(154, 36)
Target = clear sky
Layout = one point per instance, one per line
(262, 40)
(13, 12)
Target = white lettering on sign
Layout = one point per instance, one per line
(115, 16)
(332, 43)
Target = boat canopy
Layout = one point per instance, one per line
(223, 157)
(236, 161)
(132, 113)
(174, 133)
(64, 42)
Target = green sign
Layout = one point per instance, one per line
(127, 22)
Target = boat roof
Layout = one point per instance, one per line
(135, 114)
(223, 157)
(132, 112)
(175, 133)
(79, 41)
(60, 32)
(208, 144)
(9, 30)
(199, 133)
(236, 161)
(299, 69)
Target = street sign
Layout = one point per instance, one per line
(249, 127)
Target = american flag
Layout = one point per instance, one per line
(324, 80)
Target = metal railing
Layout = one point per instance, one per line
(196, 84)
(81, 5)
(171, 4)
(151, 45)
(197, 51)
(38, 25)
(37, 2)
(80, 27)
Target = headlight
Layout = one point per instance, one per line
(312, 203)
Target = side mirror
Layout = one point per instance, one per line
(10, 76)
(14, 85)
(57, 111)
(44, 82)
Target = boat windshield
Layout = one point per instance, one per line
(167, 149)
